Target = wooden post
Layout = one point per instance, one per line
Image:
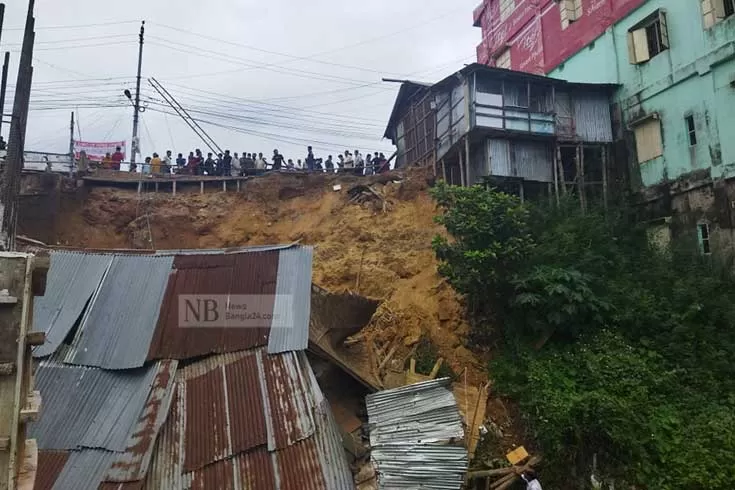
(604, 176)
(156, 186)
(174, 188)
(580, 178)
(140, 187)
(444, 171)
(22, 275)
(224, 186)
(461, 173)
(201, 187)
(467, 161)
(560, 167)
(238, 185)
(522, 192)
(555, 162)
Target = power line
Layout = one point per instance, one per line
(77, 26)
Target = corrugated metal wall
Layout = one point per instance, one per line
(530, 160)
(592, 117)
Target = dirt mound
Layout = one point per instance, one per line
(375, 242)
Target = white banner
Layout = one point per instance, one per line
(97, 151)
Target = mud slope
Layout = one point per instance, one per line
(379, 249)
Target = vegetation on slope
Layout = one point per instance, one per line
(615, 351)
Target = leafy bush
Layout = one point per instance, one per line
(637, 362)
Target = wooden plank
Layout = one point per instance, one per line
(36, 338)
(29, 466)
(33, 407)
(437, 366)
(4, 443)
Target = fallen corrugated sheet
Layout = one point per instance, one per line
(89, 407)
(108, 420)
(252, 421)
(117, 328)
(84, 470)
(72, 279)
(132, 464)
(416, 437)
(50, 465)
(293, 301)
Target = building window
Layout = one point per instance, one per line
(704, 239)
(506, 8)
(716, 10)
(570, 11)
(648, 140)
(503, 59)
(648, 38)
(691, 130)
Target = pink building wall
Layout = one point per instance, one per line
(534, 34)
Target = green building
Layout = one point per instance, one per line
(674, 111)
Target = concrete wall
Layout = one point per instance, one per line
(691, 78)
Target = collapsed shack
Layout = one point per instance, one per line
(416, 438)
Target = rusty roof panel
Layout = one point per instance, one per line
(72, 279)
(168, 457)
(246, 408)
(207, 427)
(290, 401)
(299, 467)
(218, 475)
(335, 468)
(50, 464)
(291, 311)
(132, 465)
(241, 274)
(118, 326)
(256, 470)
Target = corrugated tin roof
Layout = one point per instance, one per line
(50, 465)
(72, 279)
(250, 420)
(108, 420)
(89, 407)
(292, 308)
(116, 330)
(415, 436)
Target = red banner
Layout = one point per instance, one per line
(97, 151)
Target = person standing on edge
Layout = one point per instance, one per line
(359, 163)
(329, 165)
(168, 163)
(117, 158)
(368, 164)
(156, 164)
(260, 164)
(277, 160)
(243, 164)
(349, 162)
(147, 165)
(199, 162)
(181, 162)
(226, 162)
(310, 159)
(209, 165)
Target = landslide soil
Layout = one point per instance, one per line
(378, 248)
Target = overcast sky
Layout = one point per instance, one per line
(260, 75)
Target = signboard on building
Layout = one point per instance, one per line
(97, 151)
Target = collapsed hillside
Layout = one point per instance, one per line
(373, 241)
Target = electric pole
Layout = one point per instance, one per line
(71, 145)
(4, 87)
(136, 107)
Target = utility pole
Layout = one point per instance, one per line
(4, 87)
(16, 139)
(71, 145)
(136, 107)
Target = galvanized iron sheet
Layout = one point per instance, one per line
(89, 407)
(72, 279)
(317, 461)
(241, 274)
(592, 118)
(415, 435)
(290, 327)
(84, 470)
(132, 465)
(119, 324)
(50, 465)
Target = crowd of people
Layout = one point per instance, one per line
(228, 165)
